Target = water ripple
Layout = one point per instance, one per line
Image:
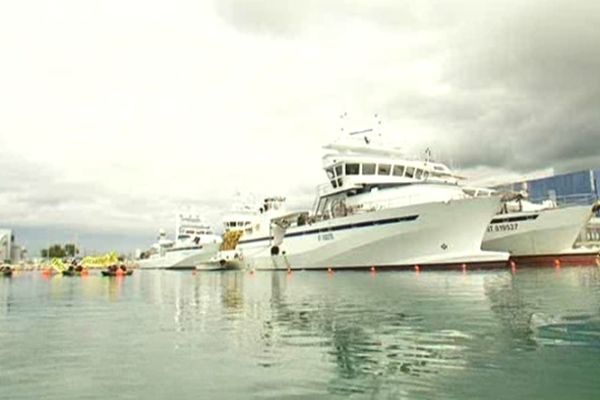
(306, 335)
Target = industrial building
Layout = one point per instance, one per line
(10, 252)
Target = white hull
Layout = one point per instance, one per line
(424, 234)
(546, 232)
(188, 258)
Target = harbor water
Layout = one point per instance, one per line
(533, 333)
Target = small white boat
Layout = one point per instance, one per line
(195, 243)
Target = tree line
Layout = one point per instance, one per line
(60, 251)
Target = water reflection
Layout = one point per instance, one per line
(540, 307)
(512, 308)
(367, 339)
(305, 334)
(232, 296)
(5, 294)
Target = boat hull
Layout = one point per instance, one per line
(576, 257)
(548, 232)
(440, 234)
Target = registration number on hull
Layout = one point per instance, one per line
(325, 236)
(503, 227)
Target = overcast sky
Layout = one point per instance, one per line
(113, 114)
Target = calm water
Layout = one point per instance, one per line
(233, 335)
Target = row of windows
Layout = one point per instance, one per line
(379, 169)
(336, 173)
(183, 236)
(233, 224)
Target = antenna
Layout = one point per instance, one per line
(427, 154)
(361, 132)
(343, 117)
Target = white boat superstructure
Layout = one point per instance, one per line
(379, 209)
(524, 228)
(195, 243)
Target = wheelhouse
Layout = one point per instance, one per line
(348, 172)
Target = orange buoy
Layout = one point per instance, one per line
(289, 271)
(557, 263)
(329, 271)
(372, 269)
(464, 267)
(417, 268)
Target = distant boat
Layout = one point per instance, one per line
(194, 244)
(67, 272)
(246, 220)
(116, 273)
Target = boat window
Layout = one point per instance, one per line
(340, 182)
(398, 170)
(181, 237)
(329, 173)
(352, 169)
(418, 173)
(425, 174)
(410, 171)
(334, 184)
(368, 169)
(338, 170)
(383, 169)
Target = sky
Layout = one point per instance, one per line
(116, 113)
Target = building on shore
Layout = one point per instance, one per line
(10, 252)
(579, 187)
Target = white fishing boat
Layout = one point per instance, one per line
(195, 243)
(535, 231)
(246, 220)
(379, 209)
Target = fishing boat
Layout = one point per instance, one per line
(194, 244)
(538, 232)
(245, 221)
(380, 209)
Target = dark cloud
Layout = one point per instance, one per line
(524, 90)
(522, 76)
